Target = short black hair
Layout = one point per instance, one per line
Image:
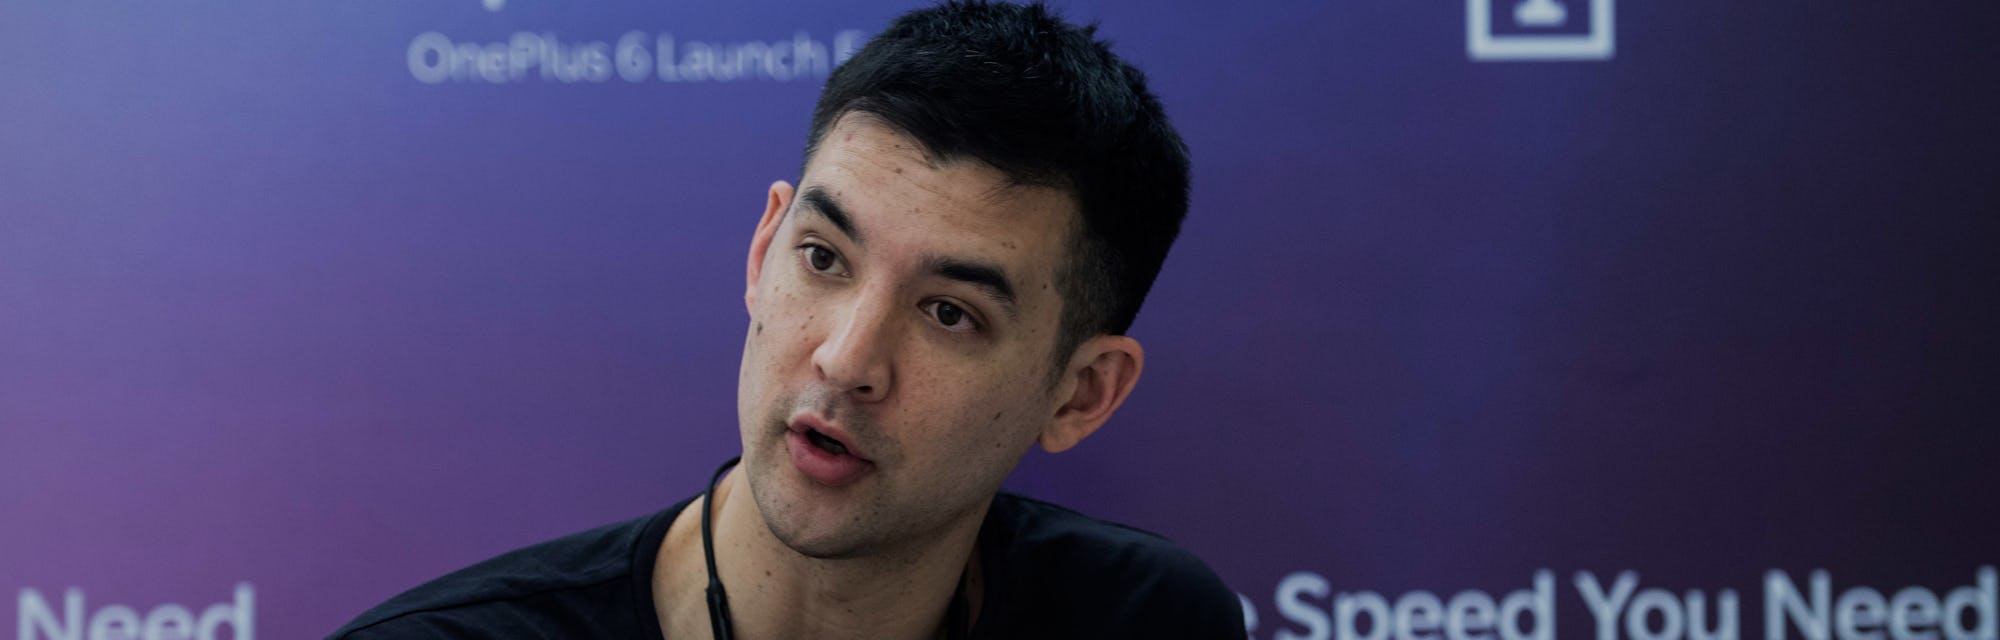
(1047, 103)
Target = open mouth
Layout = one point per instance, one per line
(826, 444)
(822, 457)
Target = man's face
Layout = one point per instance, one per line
(896, 367)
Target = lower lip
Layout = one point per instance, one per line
(822, 466)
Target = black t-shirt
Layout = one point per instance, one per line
(1050, 573)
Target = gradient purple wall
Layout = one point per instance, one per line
(276, 311)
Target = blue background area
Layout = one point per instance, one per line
(272, 310)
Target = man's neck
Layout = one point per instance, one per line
(775, 592)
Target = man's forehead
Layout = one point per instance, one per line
(1018, 231)
(869, 130)
(877, 170)
(952, 222)
(861, 139)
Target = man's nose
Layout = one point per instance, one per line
(856, 356)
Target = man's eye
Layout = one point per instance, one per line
(820, 258)
(952, 316)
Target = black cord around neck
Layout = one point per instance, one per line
(718, 602)
(719, 621)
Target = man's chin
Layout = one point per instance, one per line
(810, 537)
(811, 527)
(823, 548)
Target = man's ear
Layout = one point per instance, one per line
(760, 243)
(1096, 381)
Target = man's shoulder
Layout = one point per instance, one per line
(1081, 573)
(582, 582)
(1055, 532)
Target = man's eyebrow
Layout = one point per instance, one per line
(990, 279)
(818, 201)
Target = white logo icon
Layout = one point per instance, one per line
(1538, 15)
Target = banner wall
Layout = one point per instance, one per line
(1494, 319)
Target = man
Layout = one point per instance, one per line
(987, 195)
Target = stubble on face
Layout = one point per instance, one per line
(884, 515)
(791, 522)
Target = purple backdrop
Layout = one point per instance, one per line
(304, 303)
